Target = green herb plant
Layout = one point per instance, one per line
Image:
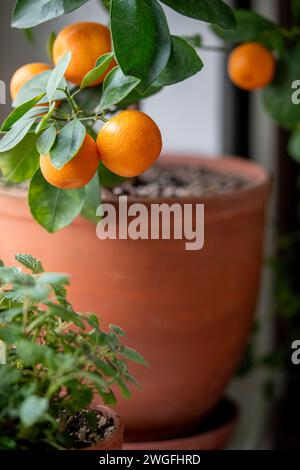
(53, 360)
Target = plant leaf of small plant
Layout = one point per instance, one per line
(30, 262)
(294, 146)
(28, 13)
(68, 143)
(183, 63)
(133, 355)
(92, 199)
(53, 278)
(46, 141)
(21, 162)
(101, 66)
(212, 11)
(32, 410)
(16, 134)
(57, 75)
(53, 208)
(142, 49)
(194, 41)
(36, 86)
(20, 112)
(109, 179)
(116, 87)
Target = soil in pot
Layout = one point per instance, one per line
(176, 182)
(87, 428)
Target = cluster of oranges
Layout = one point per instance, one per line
(127, 144)
(130, 142)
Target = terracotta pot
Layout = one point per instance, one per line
(188, 312)
(115, 440)
(213, 433)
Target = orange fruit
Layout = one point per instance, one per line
(77, 172)
(251, 66)
(87, 42)
(24, 74)
(129, 143)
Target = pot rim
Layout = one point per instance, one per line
(252, 196)
(106, 442)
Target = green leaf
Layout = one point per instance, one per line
(133, 355)
(31, 353)
(46, 140)
(194, 41)
(35, 87)
(108, 398)
(43, 124)
(135, 96)
(53, 278)
(116, 87)
(20, 163)
(212, 11)
(92, 199)
(294, 146)
(68, 143)
(28, 13)
(28, 33)
(141, 38)
(57, 75)
(32, 410)
(20, 112)
(116, 329)
(253, 27)
(50, 44)
(183, 63)
(88, 99)
(53, 208)
(101, 66)
(295, 4)
(277, 96)
(16, 134)
(30, 262)
(109, 179)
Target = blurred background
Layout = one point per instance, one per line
(208, 116)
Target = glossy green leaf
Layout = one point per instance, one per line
(35, 87)
(57, 75)
(253, 27)
(116, 87)
(212, 11)
(53, 208)
(109, 179)
(141, 38)
(133, 355)
(92, 199)
(195, 41)
(135, 96)
(20, 112)
(43, 124)
(183, 63)
(278, 96)
(20, 163)
(68, 143)
(30, 262)
(33, 409)
(101, 66)
(16, 134)
(88, 99)
(46, 141)
(28, 13)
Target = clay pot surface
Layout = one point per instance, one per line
(214, 432)
(188, 312)
(115, 440)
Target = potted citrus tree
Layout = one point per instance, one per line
(53, 362)
(53, 138)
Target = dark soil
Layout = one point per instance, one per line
(177, 182)
(88, 427)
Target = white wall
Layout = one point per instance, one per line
(189, 114)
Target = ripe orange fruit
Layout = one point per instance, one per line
(87, 42)
(129, 143)
(77, 172)
(24, 74)
(251, 66)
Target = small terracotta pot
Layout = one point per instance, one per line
(188, 312)
(115, 440)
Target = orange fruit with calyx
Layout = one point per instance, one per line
(77, 172)
(129, 143)
(251, 66)
(87, 42)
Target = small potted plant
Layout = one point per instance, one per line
(53, 362)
